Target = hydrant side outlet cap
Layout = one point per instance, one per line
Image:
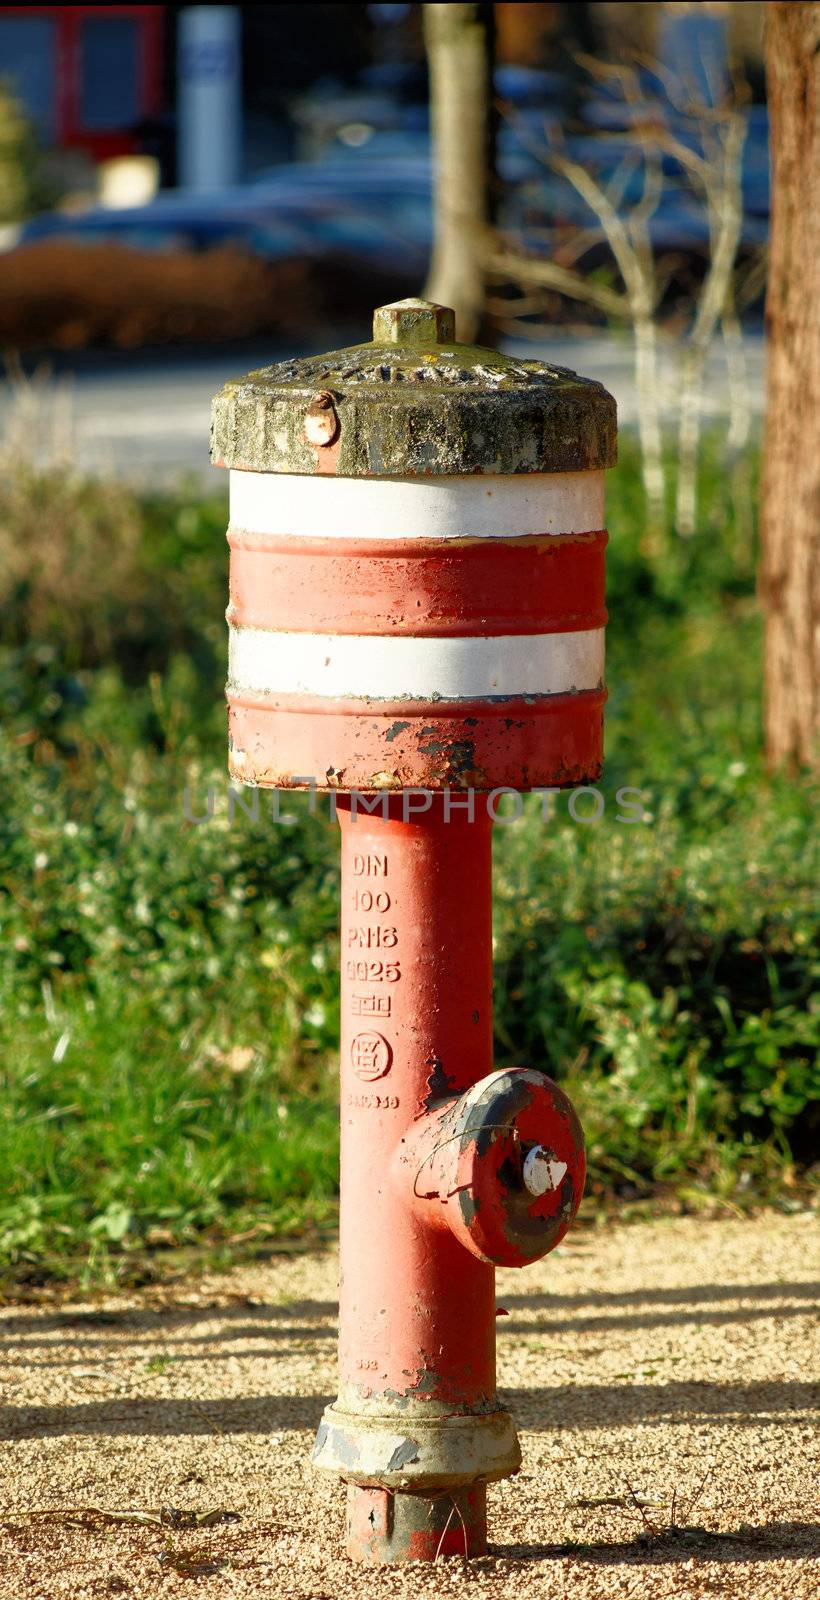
(413, 402)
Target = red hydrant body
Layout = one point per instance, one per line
(416, 622)
(416, 1311)
(417, 1412)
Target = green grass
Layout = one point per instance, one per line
(168, 1004)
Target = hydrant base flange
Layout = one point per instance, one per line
(417, 1452)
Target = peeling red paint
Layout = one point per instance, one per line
(534, 742)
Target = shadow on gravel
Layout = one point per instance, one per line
(667, 1297)
(557, 1323)
(699, 1304)
(245, 1318)
(172, 1314)
(615, 1405)
(153, 1418)
(774, 1541)
(565, 1406)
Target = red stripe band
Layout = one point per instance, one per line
(426, 588)
(285, 741)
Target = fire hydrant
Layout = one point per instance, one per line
(417, 624)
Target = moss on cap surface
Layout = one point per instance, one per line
(416, 403)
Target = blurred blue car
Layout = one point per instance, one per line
(369, 202)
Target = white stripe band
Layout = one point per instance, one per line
(407, 668)
(479, 506)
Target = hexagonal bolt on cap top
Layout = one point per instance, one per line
(414, 322)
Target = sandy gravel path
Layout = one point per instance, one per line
(675, 1357)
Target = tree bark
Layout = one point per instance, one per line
(790, 571)
(459, 54)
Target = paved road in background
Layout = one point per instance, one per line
(144, 419)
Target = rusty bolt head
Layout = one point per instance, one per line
(321, 421)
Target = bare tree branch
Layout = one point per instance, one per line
(525, 269)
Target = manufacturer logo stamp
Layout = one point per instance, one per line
(371, 1056)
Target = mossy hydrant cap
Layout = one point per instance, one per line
(413, 402)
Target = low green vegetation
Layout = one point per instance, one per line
(168, 1005)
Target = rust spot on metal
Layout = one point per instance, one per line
(426, 1382)
(323, 433)
(453, 762)
(461, 758)
(438, 1084)
(321, 423)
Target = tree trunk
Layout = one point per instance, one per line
(459, 53)
(790, 571)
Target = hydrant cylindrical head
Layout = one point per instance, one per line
(417, 565)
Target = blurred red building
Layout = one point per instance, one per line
(89, 76)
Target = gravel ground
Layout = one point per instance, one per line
(157, 1445)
